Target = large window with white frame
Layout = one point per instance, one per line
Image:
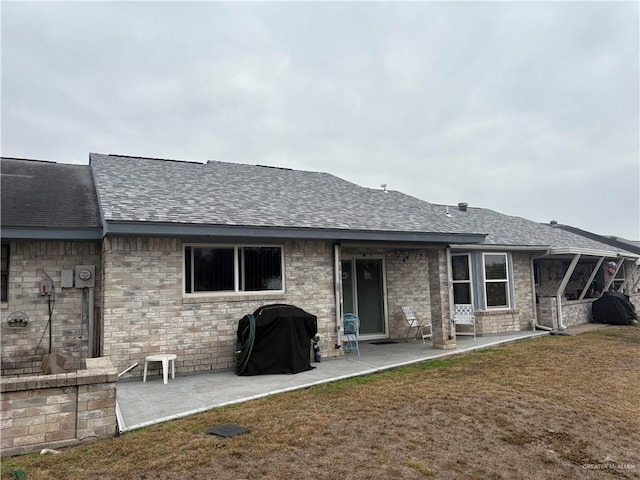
(496, 280)
(461, 276)
(233, 268)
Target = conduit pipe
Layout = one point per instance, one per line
(91, 325)
(562, 287)
(337, 283)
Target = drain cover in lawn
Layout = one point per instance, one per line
(228, 430)
(383, 342)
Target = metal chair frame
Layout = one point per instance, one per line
(414, 322)
(463, 314)
(351, 332)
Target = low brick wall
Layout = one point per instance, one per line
(499, 321)
(53, 411)
(576, 312)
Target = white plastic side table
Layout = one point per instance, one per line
(165, 358)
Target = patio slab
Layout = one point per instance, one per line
(142, 404)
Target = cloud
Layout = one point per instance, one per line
(527, 108)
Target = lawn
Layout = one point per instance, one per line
(555, 407)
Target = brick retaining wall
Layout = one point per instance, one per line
(52, 411)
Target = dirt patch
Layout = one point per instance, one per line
(553, 407)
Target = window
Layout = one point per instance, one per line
(219, 269)
(461, 279)
(4, 273)
(496, 280)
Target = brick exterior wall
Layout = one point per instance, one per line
(407, 285)
(440, 302)
(27, 261)
(52, 411)
(145, 312)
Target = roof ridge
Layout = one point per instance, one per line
(35, 160)
(117, 155)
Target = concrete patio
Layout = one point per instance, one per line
(142, 404)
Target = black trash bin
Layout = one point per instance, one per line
(277, 342)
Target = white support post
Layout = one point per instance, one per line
(613, 276)
(593, 275)
(563, 286)
(627, 278)
(337, 287)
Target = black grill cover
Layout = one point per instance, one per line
(613, 308)
(282, 340)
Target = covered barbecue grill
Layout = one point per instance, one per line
(613, 308)
(275, 339)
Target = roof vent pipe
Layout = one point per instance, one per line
(553, 223)
(462, 206)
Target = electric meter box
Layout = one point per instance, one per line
(85, 276)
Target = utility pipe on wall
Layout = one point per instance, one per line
(91, 330)
(337, 291)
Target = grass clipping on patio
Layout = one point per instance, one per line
(552, 407)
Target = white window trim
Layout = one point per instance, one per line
(485, 281)
(470, 271)
(236, 271)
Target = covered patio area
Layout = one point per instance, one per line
(142, 404)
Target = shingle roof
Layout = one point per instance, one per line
(509, 230)
(47, 195)
(133, 189)
(220, 193)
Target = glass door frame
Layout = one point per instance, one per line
(354, 286)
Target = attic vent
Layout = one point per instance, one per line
(462, 206)
(553, 223)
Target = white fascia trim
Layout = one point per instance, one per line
(500, 248)
(592, 253)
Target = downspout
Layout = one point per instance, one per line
(337, 283)
(534, 324)
(562, 287)
(450, 293)
(90, 327)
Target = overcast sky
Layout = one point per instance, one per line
(530, 109)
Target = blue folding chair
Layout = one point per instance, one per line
(351, 332)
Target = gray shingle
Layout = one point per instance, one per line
(38, 194)
(219, 193)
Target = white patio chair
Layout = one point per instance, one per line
(463, 315)
(414, 322)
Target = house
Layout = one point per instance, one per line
(50, 223)
(177, 252)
